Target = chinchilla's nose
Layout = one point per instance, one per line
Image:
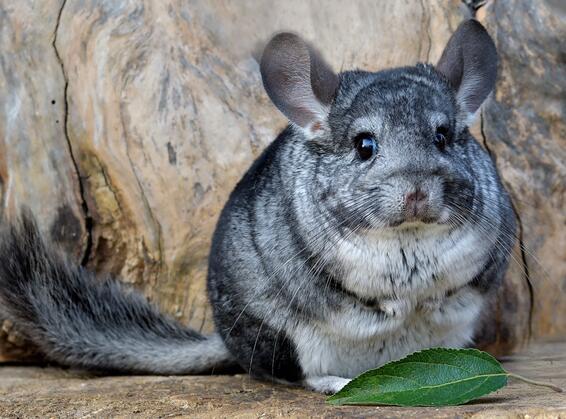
(415, 202)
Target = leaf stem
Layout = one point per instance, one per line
(536, 383)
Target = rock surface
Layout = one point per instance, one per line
(36, 392)
(524, 128)
(124, 126)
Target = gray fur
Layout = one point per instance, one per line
(83, 321)
(326, 258)
(319, 269)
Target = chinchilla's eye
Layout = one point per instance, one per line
(440, 137)
(366, 145)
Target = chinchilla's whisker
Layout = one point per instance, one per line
(483, 222)
(488, 234)
(463, 221)
(313, 272)
(321, 234)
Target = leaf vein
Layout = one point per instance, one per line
(426, 387)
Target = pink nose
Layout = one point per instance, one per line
(415, 202)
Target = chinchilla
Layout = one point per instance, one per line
(373, 226)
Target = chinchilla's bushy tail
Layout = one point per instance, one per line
(80, 320)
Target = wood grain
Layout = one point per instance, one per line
(71, 394)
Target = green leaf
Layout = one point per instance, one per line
(433, 377)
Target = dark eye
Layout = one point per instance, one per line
(366, 145)
(440, 137)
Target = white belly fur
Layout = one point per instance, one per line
(418, 312)
(353, 342)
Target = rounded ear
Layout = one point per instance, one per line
(297, 80)
(469, 62)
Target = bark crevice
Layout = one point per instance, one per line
(88, 222)
(426, 24)
(520, 238)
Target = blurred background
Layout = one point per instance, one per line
(124, 125)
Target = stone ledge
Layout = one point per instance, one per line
(53, 392)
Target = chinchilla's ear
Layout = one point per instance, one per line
(469, 62)
(297, 80)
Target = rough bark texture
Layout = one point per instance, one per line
(125, 124)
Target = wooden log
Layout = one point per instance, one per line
(126, 125)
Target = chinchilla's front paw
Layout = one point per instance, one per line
(329, 384)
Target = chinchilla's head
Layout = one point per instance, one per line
(390, 148)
